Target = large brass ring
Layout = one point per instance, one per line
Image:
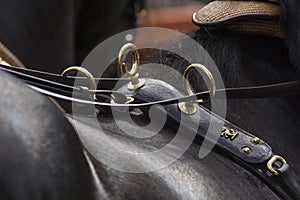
(90, 78)
(136, 60)
(189, 107)
(272, 161)
(187, 85)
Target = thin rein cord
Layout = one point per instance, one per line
(8, 58)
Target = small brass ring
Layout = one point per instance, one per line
(136, 60)
(272, 161)
(187, 85)
(90, 77)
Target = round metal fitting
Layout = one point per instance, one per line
(272, 161)
(255, 140)
(90, 77)
(133, 72)
(246, 150)
(189, 107)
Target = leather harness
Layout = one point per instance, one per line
(242, 147)
(62, 88)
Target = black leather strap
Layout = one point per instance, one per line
(259, 153)
(286, 185)
(290, 179)
(32, 76)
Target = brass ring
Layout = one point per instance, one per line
(272, 161)
(136, 60)
(91, 79)
(187, 85)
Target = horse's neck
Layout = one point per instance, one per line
(260, 61)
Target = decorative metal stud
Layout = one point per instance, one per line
(229, 133)
(246, 150)
(255, 140)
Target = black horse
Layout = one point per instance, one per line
(54, 166)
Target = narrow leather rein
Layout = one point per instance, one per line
(56, 86)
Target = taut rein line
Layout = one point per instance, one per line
(244, 148)
(61, 87)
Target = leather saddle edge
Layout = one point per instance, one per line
(218, 12)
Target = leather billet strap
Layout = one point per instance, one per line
(231, 138)
(252, 17)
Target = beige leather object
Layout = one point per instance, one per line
(254, 17)
(8, 58)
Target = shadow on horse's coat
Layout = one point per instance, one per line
(50, 35)
(213, 177)
(41, 156)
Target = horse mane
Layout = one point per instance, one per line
(235, 54)
(290, 18)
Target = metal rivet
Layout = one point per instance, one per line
(255, 140)
(246, 150)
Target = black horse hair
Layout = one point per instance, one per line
(290, 17)
(230, 50)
